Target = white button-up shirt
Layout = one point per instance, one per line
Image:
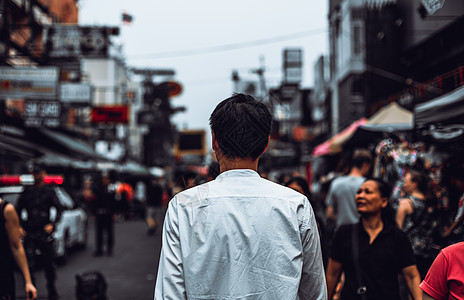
(240, 237)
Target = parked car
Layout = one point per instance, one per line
(71, 230)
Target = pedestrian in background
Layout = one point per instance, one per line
(154, 205)
(240, 236)
(373, 251)
(87, 195)
(39, 212)
(300, 184)
(11, 252)
(445, 278)
(412, 216)
(104, 211)
(340, 205)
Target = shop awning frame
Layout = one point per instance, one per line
(440, 109)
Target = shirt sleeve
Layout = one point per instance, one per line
(312, 284)
(435, 283)
(170, 282)
(329, 200)
(337, 251)
(405, 253)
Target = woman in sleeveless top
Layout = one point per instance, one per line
(11, 251)
(411, 213)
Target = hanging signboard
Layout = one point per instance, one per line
(432, 5)
(75, 93)
(292, 67)
(110, 114)
(31, 83)
(64, 41)
(41, 113)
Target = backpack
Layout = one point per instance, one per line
(91, 286)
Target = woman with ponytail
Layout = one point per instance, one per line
(415, 217)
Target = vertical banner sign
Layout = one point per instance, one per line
(292, 65)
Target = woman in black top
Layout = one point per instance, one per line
(383, 251)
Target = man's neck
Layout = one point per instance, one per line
(355, 172)
(239, 163)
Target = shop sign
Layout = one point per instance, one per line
(110, 114)
(42, 113)
(288, 92)
(292, 65)
(64, 41)
(432, 5)
(75, 93)
(32, 83)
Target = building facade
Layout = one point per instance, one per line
(384, 51)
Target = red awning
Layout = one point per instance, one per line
(334, 144)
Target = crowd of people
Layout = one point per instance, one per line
(378, 239)
(234, 233)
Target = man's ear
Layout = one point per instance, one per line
(267, 145)
(215, 144)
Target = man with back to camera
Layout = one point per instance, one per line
(240, 236)
(341, 206)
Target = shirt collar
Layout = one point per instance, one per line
(387, 227)
(238, 173)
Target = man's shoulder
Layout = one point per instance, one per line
(340, 180)
(261, 188)
(193, 194)
(454, 248)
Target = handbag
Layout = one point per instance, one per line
(362, 288)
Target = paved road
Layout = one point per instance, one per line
(130, 272)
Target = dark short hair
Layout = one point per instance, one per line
(388, 213)
(242, 126)
(302, 182)
(383, 187)
(361, 156)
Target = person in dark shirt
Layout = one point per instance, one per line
(39, 212)
(373, 251)
(104, 211)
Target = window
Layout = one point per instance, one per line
(357, 39)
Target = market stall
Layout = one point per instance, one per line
(391, 121)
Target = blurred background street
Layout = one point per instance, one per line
(130, 273)
(111, 100)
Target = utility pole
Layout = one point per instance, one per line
(262, 80)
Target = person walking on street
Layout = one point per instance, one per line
(240, 236)
(373, 251)
(154, 205)
(11, 251)
(445, 278)
(415, 216)
(104, 210)
(340, 199)
(39, 212)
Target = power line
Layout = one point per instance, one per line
(229, 47)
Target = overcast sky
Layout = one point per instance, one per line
(205, 40)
